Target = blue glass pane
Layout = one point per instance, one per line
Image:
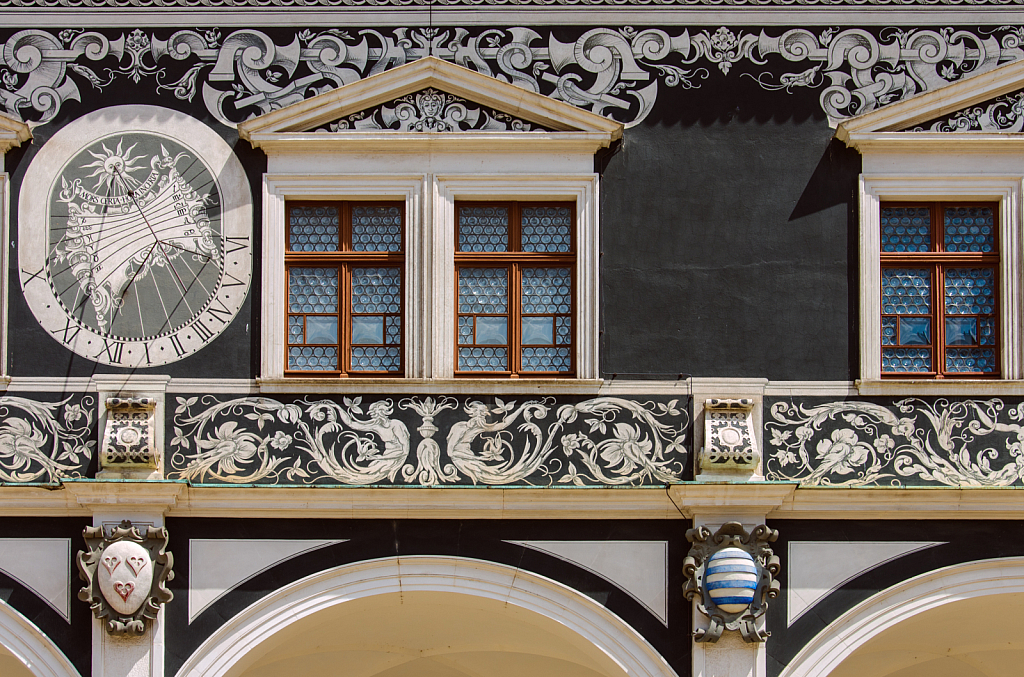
(906, 229)
(376, 290)
(483, 290)
(547, 290)
(546, 359)
(483, 229)
(465, 331)
(970, 229)
(377, 228)
(906, 291)
(376, 359)
(961, 331)
(483, 359)
(888, 331)
(988, 330)
(313, 229)
(538, 331)
(563, 330)
(546, 229)
(319, 358)
(368, 329)
(492, 331)
(321, 329)
(970, 291)
(313, 290)
(295, 329)
(906, 359)
(915, 331)
(394, 330)
(976, 360)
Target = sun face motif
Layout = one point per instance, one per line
(112, 169)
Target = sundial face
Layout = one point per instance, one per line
(139, 253)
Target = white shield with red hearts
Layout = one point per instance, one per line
(125, 576)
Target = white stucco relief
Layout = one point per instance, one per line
(817, 568)
(218, 566)
(639, 568)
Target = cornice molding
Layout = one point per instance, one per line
(930, 142)
(776, 500)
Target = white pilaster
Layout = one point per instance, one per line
(145, 504)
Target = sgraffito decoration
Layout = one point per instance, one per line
(1001, 114)
(730, 575)
(46, 441)
(129, 438)
(125, 574)
(430, 110)
(945, 442)
(611, 71)
(601, 441)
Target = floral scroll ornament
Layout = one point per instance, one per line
(125, 574)
(945, 443)
(731, 576)
(250, 440)
(45, 441)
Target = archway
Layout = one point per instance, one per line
(959, 620)
(426, 616)
(26, 652)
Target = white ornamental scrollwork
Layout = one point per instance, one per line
(45, 441)
(616, 72)
(1002, 114)
(973, 443)
(249, 440)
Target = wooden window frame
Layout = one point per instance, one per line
(514, 260)
(937, 260)
(345, 259)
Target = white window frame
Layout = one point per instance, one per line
(429, 307)
(878, 188)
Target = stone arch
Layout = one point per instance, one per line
(26, 644)
(885, 610)
(234, 647)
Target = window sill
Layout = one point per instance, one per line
(946, 386)
(401, 386)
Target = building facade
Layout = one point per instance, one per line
(482, 338)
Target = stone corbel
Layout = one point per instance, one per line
(129, 437)
(730, 450)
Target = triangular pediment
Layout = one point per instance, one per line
(427, 96)
(962, 106)
(12, 132)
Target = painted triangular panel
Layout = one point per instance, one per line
(217, 566)
(639, 568)
(43, 565)
(998, 114)
(431, 110)
(414, 77)
(817, 568)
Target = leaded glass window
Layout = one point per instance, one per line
(515, 265)
(344, 264)
(939, 290)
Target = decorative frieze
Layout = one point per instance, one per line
(730, 576)
(130, 433)
(125, 574)
(909, 442)
(46, 441)
(612, 71)
(603, 441)
(1001, 114)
